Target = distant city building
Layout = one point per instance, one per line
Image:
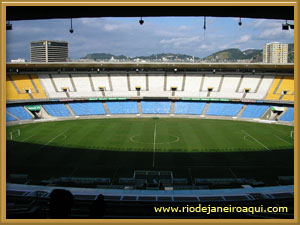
(18, 60)
(275, 52)
(49, 51)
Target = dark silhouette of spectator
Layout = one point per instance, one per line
(98, 208)
(61, 202)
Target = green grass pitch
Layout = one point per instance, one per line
(116, 147)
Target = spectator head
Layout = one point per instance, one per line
(61, 202)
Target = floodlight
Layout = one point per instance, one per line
(240, 22)
(8, 26)
(141, 21)
(285, 26)
(71, 30)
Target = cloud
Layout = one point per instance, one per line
(243, 39)
(126, 36)
(263, 24)
(181, 41)
(276, 34)
(183, 28)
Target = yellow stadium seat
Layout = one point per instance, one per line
(38, 85)
(288, 98)
(11, 92)
(271, 95)
(24, 83)
(288, 86)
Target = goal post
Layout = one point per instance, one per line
(14, 133)
(292, 134)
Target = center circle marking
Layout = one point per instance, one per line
(132, 138)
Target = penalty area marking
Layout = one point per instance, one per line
(282, 139)
(132, 139)
(256, 140)
(61, 134)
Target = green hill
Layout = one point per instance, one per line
(103, 56)
(231, 54)
(234, 54)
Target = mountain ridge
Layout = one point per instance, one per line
(230, 54)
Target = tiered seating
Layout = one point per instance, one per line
(288, 116)
(271, 95)
(11, 92)
(155, 107)
(249, 82)
(49, 88)
(156, 82)
(122, 107)
(59, 110)
(211, 81)
(192, 86)
(228, 88)
(63, 81)
(9, 118)
(195, 108)
(174, 81)
(19, 112)
(87, 108)
(224, 109)
(137, 80)
(23, 83)
(255, 111)
(41, 93)
(287, 85)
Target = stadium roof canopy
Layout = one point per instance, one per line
(59, 12)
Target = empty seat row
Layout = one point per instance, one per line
(156, 107)
(288, 116)
(87, 108)
(224, 109)
(19, 112)
(148, 107)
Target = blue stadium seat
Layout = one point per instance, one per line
(224, 109)
(255, 111)
(58, 110)
(288, 115)
(195, 108)
(19, 112)
(87, 108)
(121, 107)
(155, 107)
(9, 118)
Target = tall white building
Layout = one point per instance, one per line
(49, 51)
(275, 52)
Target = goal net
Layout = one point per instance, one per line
(15, 133)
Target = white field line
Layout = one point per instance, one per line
(29, 137)
(31, 129)
(55, 138)
(283, 140)
(154, 140)
(256, 140)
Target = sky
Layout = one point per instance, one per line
(125, 36)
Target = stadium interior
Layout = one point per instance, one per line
(51, 92)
